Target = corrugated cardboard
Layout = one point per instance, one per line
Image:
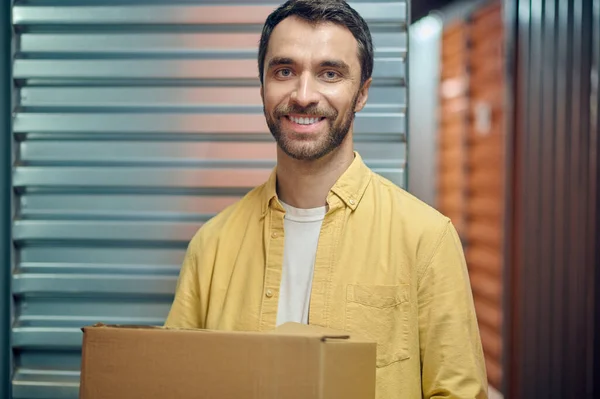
(292, 362)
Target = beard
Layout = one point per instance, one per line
(307, 147)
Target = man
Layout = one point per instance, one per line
(325, 240)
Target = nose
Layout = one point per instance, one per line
(306, 92)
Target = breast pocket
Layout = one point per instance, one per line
(380, 313)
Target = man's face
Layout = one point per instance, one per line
(311, 87)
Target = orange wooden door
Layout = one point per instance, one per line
(453, 125)
(471, 162)
(486, 173)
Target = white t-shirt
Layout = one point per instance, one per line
(301, 230)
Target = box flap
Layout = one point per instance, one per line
(306, 329)
(290, 328)
(125, 326)
(322, 333)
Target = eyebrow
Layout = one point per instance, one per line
(336, 64)
(279, 61)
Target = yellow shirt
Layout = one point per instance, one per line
(388, 267)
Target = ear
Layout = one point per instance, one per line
(363, 95)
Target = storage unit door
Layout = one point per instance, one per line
(485, 198)
(453, 124)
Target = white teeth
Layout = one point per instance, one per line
(304, 121)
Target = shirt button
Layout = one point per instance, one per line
(274, 234)
(352, 202)
(269, 294)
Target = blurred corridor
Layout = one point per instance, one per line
(128, 124)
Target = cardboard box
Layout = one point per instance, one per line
(293, 362)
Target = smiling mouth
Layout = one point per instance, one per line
(309, 120)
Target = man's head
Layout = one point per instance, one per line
(315, 64)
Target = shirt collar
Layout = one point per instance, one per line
(350, 187)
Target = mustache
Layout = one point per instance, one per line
(310, 110)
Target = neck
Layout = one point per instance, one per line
(305, 184)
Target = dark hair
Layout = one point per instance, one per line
(314, 12)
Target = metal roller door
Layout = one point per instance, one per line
(553, 245)
(135, 122)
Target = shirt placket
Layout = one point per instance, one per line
(273, 270)
(324, 263)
